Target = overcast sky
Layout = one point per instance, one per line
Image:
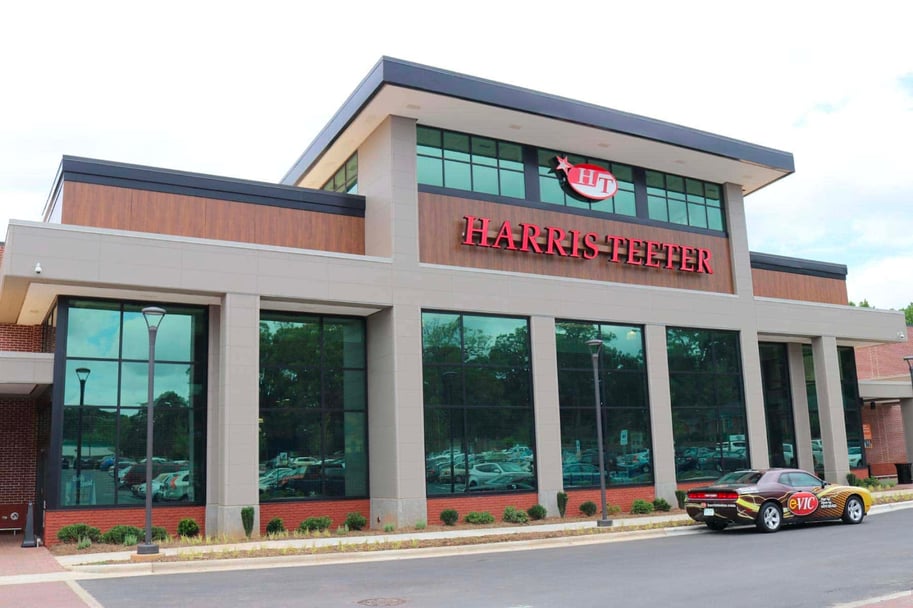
(241, 90)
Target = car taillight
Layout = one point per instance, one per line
(702, 495)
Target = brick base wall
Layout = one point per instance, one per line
(105, 519)
(21, 338)
(18, 450)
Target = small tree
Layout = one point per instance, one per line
(562, 503)
(247, 520)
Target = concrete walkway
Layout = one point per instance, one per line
(33, 577)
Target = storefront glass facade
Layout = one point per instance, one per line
(477, 385)
(313, 407)
(105, 392)
(778, 405)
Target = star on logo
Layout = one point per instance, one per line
(563, 165)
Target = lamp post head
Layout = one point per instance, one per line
(153, 316)
(595, 346)
(83, 373)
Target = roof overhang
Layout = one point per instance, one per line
(458, 102)
(25, 374)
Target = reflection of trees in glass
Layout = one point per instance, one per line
(477, 393)
(171, 420)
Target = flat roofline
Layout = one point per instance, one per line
(780, 263)
(396, 72)
(139, 177)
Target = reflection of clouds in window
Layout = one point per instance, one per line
(168, 377)
(172, 342)
(101, 384)
(93, 333)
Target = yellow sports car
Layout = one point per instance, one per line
(771, 498)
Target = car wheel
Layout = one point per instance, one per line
(854, 511)
(770, 517)
(714, 524)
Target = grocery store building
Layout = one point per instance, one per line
(400, 326)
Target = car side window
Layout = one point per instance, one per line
(799, 480)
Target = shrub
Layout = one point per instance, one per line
(247, 520)
(680, 496)
(158, 533)
(641, 506)
(562, 503)
(588, 508)
(389, 528)
(83, 543)
(479, 517)
(852, 480)
(514, 516)
(117, 535)
(356, 521)
(449, 517)
(275, 526)
(188, 527)
(315, 523)
(536, 512)
(660, 504)
(74, 532)
(420, 525)
(612, 509)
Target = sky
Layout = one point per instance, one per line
(241, 89)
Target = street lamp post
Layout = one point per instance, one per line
(595, 347)
(83, 374)
(153, 316)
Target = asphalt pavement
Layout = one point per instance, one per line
(34, 577)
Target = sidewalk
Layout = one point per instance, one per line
(35, 577)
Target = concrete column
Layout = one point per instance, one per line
(396, 436)
(754, 399)
(906, 412)
(738, 241)
(546, 412)
(387, 178)
(234, 411)
(830, 409)
(660, 413)
(801, 422)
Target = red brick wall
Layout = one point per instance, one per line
(18, 450)
(21, 338)
(105, 519)
(888, 444)
(495, 503)
(884, 361)
(293, 513)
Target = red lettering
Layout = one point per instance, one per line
(670, 248)
(703, 260)
(528, 241)
(686, 263)
(651, 250)
(575, 243)
(506, 233)
(633, 253)
(470, 231)
(555, 236)
(615, 244)
(589, 243)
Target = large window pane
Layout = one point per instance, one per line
(708, 407)
(312, 407)
(106, 437)
(624, 405)
(478, 405)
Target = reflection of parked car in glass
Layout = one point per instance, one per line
(270, 480)
(136, 473)
(505, 482)
(580, 474)
(314, 480)
(485, 471)
(635, 461)
(177, 487)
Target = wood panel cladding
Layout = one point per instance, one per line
(441, 227)
(191, 216)
(794, 286)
